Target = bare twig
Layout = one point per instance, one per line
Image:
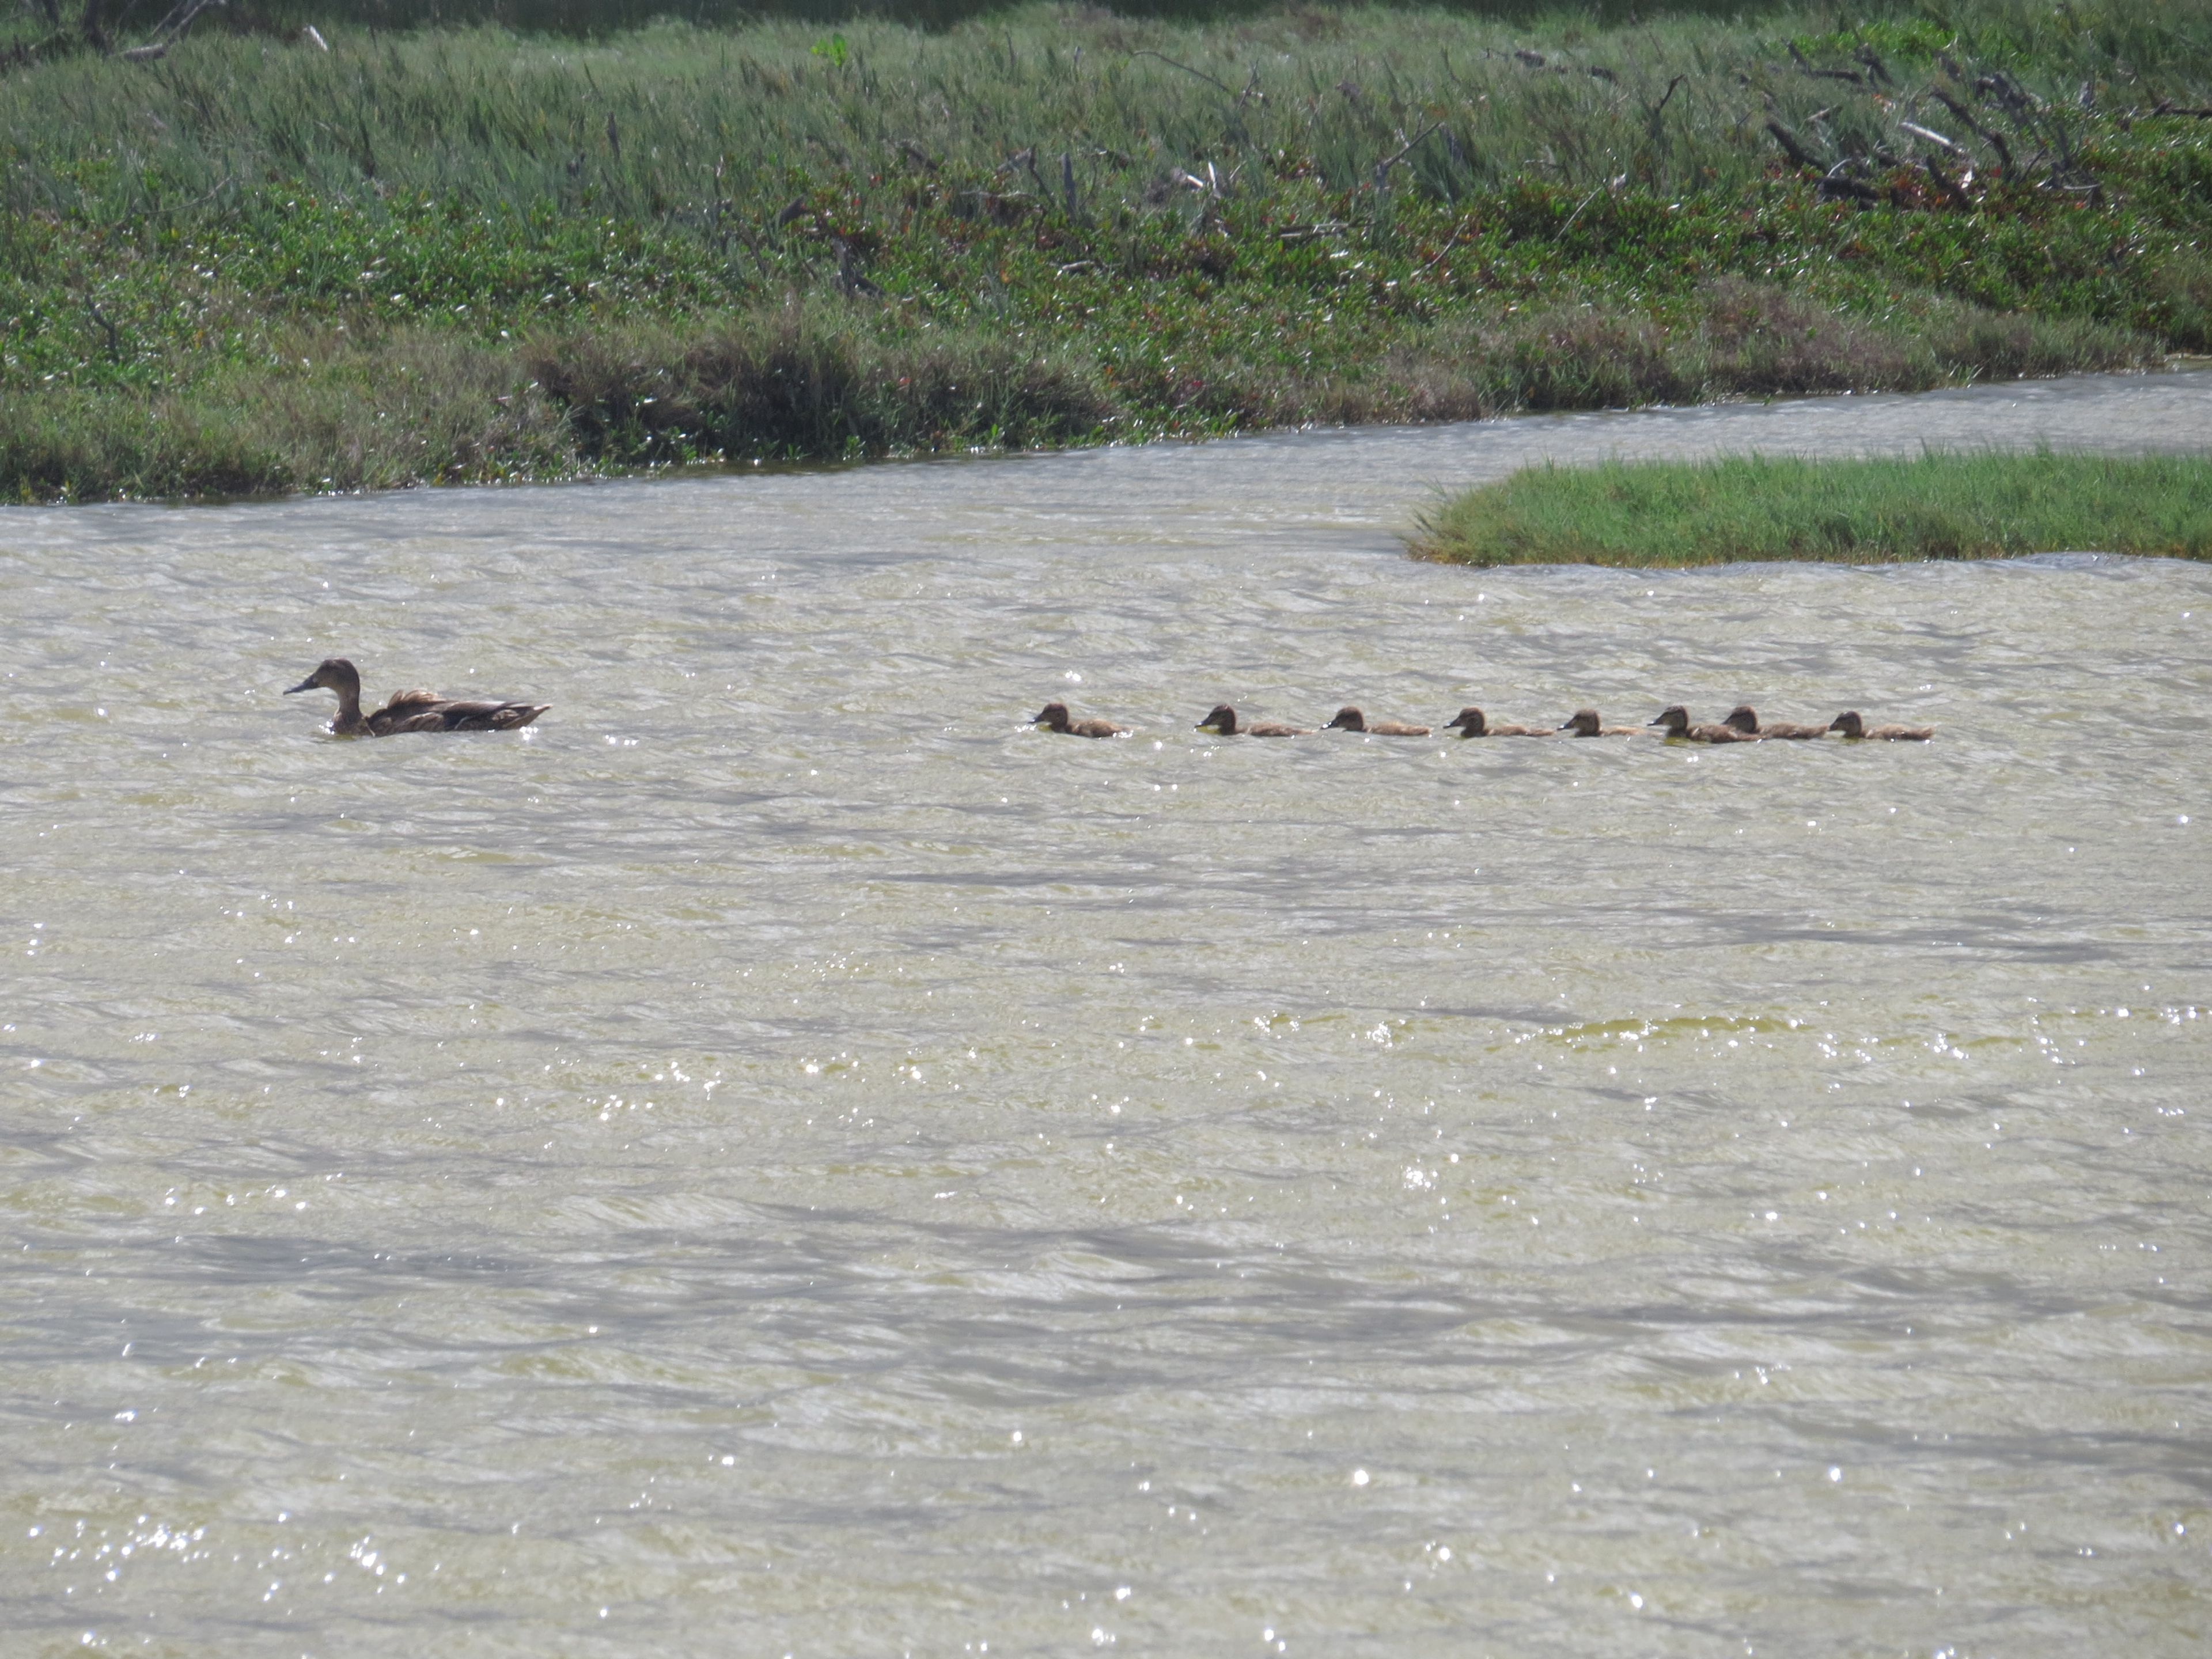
(1383, 167)
(1792, 146)
(1187, 70)
(170, 30)
(1930, 136)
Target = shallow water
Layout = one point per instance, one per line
(783, 1157)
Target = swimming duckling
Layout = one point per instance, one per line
(1349, 718)
(1746, 720)
(1584, 723)
(1222, 723)
(1851, 726)
(1471, 723)
(1054, 718)
(410, 711)
(1676, 719)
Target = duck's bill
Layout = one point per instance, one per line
(307, 684)
(1662, 721)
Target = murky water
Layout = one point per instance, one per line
(785, 1158)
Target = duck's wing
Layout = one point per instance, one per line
(489, 716)
(396, 716)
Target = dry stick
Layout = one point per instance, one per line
(1384, 167)
(1931, 136)
(1965, 119)
(1791, 145)
(173, 26)
(1185, 69)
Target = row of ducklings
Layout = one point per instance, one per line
(1743, 725)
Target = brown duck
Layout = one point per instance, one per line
(1676, 720)
(1745, 720)
(1223, 722)
(1472, 723)
(1584, 723)
(1054, 718)
(410, 711)
(1349, 718)
(1851, 726)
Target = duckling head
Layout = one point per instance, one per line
(1053, 714)
(1742, 718)
(1223, 719)
(1583, 723)
(1349, 718)
(1674, 717)
(1848, 724)
(332, 674)
(1469, 720)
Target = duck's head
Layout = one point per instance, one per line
(1223, 719)
(332, 674)
(1348, 718)
(1742, 718)
(1674, 717)
(1583, 723)
(1053, 714)
(1469, 720)
(1848, 723)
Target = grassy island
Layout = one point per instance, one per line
(262, 256)
(1863, 512)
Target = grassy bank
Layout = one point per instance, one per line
(1869, 512)
(253, 264)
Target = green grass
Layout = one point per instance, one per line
(1936, 506)
(467, 253)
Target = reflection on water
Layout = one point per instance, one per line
(785, 1158)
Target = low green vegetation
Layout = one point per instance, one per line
(264, 262)
(1866, 512)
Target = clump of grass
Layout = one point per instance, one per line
(1939, 506)
(797, 385)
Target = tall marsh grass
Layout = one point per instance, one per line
(475, 253)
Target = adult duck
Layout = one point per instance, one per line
(1473, 723)
(1745, 718)
(1851, 726)
(410, 711)
(1054, 717)
(1222, 723)
(1349, 718)
(1675, 720)
(1584, 723)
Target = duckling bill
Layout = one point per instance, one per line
(1223, 722)
(1054, 717)
(1349, 718)
(410, 711)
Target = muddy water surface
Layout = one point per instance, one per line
(784, 1158)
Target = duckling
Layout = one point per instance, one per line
(1745, 720)
(1349, 718)
(1676, 719)
(1584, 723)
(410, 711)
(1471, 723)
(1851, 726)
(1222, 723)
(1054, 718)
